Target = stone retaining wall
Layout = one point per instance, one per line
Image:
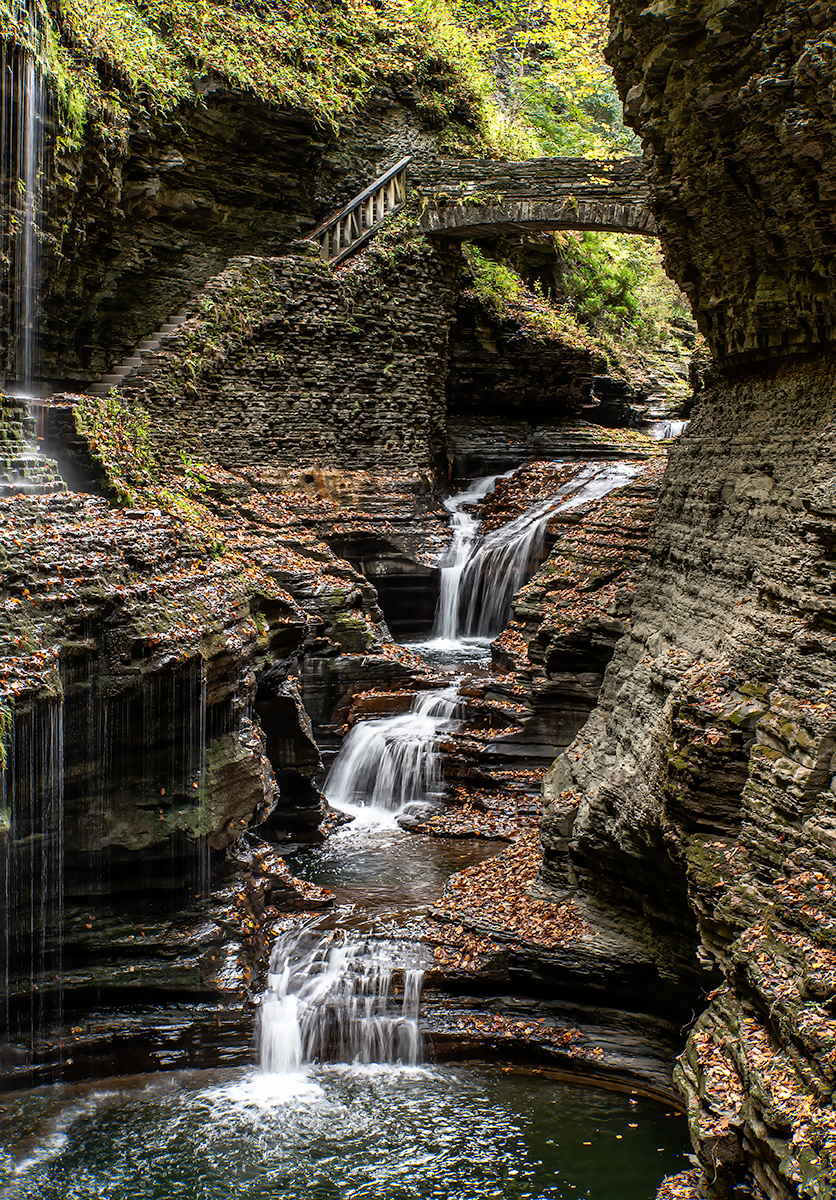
(285, 362)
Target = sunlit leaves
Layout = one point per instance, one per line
(324, 58)
(552, 65)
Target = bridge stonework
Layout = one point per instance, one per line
(471, 199)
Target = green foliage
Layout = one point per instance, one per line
(548, 55)
(504, 294)
(119, 437)
(325, 58)
(615, 282)
(7, 721)
(495, 284)
(612, 300)
(20, 23)
(510, 78)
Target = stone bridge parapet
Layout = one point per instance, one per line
(475, 198)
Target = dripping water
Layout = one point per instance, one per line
(33, 871)
(22, 143)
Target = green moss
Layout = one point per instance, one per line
(119, 439)
(112, 60)
(495, 284)
(705, 865)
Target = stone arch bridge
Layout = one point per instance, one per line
(469, 199)
(480, 197)
(473, 198)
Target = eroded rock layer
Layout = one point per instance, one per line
(735, 101)
(160, 681)
(702, 782)
(698, 797)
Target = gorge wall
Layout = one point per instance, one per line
(140, 217)
(702, 783)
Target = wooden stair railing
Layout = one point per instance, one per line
(353, 225)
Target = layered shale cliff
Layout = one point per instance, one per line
(203, 628)
(697, 801)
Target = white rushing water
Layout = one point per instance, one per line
(334, 997)
(464, 527)
(388, 763)
(331, 995)
(480, 575)
(663, 431)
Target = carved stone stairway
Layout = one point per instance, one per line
(350, 228)
(117, 376)
(23, 471)
(466, 199)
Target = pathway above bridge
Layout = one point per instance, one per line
(478, 197)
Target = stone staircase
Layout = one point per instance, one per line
(118, 375)
(337, 238)
(23, 471)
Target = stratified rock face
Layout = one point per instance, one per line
(151, 716)
(702, 784)
(568, 618)
(499, 373)
(145, 218)
(147, 222)
(700, 790)
(286, 362)
(736, 103)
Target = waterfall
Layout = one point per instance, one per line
(464, 527)
(388, 763)
(333, 997)
(23, 99)
(480, 576)
(662, 431)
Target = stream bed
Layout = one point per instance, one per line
(343, 1104)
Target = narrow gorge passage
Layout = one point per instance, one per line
(271, 276)
(346, 1101)
(388, 773)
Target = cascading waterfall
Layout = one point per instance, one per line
(386, 764)
(477, 589)
(479, 576)
(23, 98)
(464, 527)
(663, 431)
(332, 997)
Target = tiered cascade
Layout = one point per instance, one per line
(387, 764)
(332, 998)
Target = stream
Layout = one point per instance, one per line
(345, 1104)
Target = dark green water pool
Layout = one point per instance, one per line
(336, 1133)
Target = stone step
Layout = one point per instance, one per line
(23, 470)
(120, 373)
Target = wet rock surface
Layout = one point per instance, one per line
(154, 680)
(569, 617)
